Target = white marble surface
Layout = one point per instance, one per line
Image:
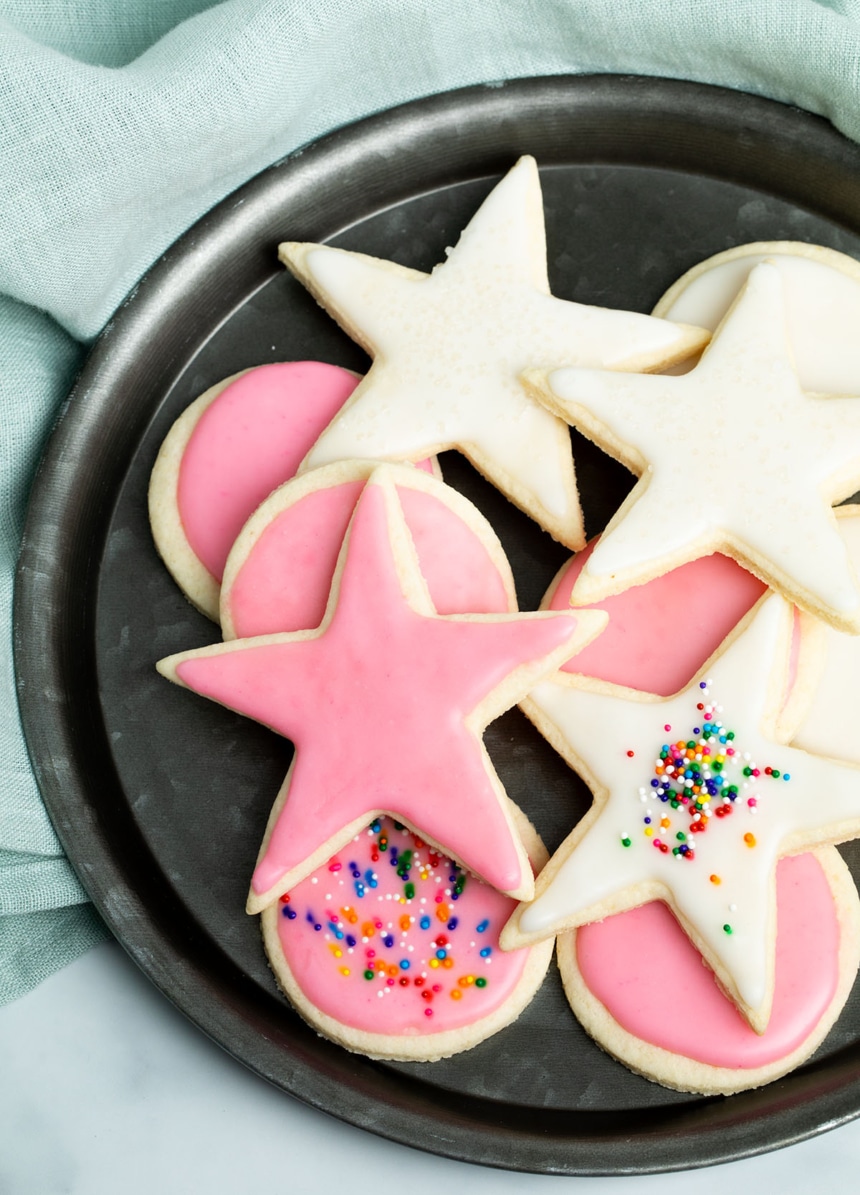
(105, 1088)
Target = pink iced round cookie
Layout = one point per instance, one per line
(638, 986)
(661, 633)
(228, 450)
(279, 575)
(391, 950)
(619, 973)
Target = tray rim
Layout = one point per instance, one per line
(490, 125)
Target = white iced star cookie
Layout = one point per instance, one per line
(695, 802)
(822, 296)
(733, 457)
(448, 350)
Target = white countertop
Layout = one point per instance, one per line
(105, 1087)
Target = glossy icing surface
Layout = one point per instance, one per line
(284, 583)
(408, 692)
(757, 482)
(393, 938)
(646, 972)
(449, 348)
(822, 306)
(830, 725)
(719, 841)
(249, 441)
(693, 608)
(629, 961)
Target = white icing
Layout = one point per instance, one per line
(831, 723)
(821, 803)
(735, 456)
(449, 348)
(822, 301)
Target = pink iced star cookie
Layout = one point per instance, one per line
(386, 702)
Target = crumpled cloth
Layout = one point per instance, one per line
(121, 124)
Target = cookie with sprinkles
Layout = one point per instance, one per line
(622, 975)
(391, 949)
(695, 802)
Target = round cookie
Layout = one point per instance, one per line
(279, 572)
(228, 450)
(828, 724)
(638, 986)
(822, 306)
(822, 291)
(391, 950)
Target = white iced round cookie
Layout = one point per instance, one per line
(822, 306)
(822, 293)
(828, 725)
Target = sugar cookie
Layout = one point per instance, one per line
(448, 350)
(391, 950)
(734, 456)
(383, 692)
(279, 573)
(638, 986)
(225, 453)
(699, 826)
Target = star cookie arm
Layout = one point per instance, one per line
(364, 294)
(506, 237)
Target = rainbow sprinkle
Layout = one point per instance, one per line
(692, 777)
(415, 950)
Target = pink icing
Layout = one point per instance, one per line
(658, 637)
(249, 441)
(646, 972)
(398, 686)
(660, 634)
(283, 584)
(357, 915)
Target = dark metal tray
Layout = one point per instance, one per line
(160, 798)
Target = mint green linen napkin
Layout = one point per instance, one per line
(121, 123)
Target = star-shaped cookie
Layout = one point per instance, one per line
(386, 703)
(694, 804)
(448, 349)
(733, 457)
